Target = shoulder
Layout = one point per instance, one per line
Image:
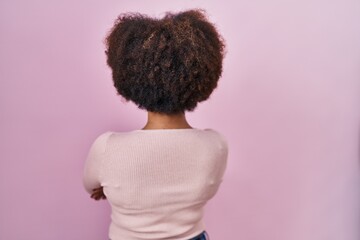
(103, 137)
(220, 137)
(99, 144)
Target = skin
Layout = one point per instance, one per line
(154, 121)
(165, 121)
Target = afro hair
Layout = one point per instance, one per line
(165, 65)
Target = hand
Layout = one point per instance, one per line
(98, 193)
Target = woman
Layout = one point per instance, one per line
(158, 179)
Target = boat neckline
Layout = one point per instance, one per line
(166, 129)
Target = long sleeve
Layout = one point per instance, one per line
(93, 163)
(157, 179)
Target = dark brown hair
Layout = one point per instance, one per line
(165, 65)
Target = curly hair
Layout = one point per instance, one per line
(165, 65)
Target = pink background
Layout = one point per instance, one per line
(288, 102)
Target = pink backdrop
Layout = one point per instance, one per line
(288, 102)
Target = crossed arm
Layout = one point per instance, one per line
(98, 194)
(92, 167)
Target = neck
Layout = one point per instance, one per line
(165, 121)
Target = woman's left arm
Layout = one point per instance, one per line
(93, 163)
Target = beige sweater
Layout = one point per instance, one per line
(157, 181)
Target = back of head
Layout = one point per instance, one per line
(165, 65)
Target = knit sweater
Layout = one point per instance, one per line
(157, 181)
